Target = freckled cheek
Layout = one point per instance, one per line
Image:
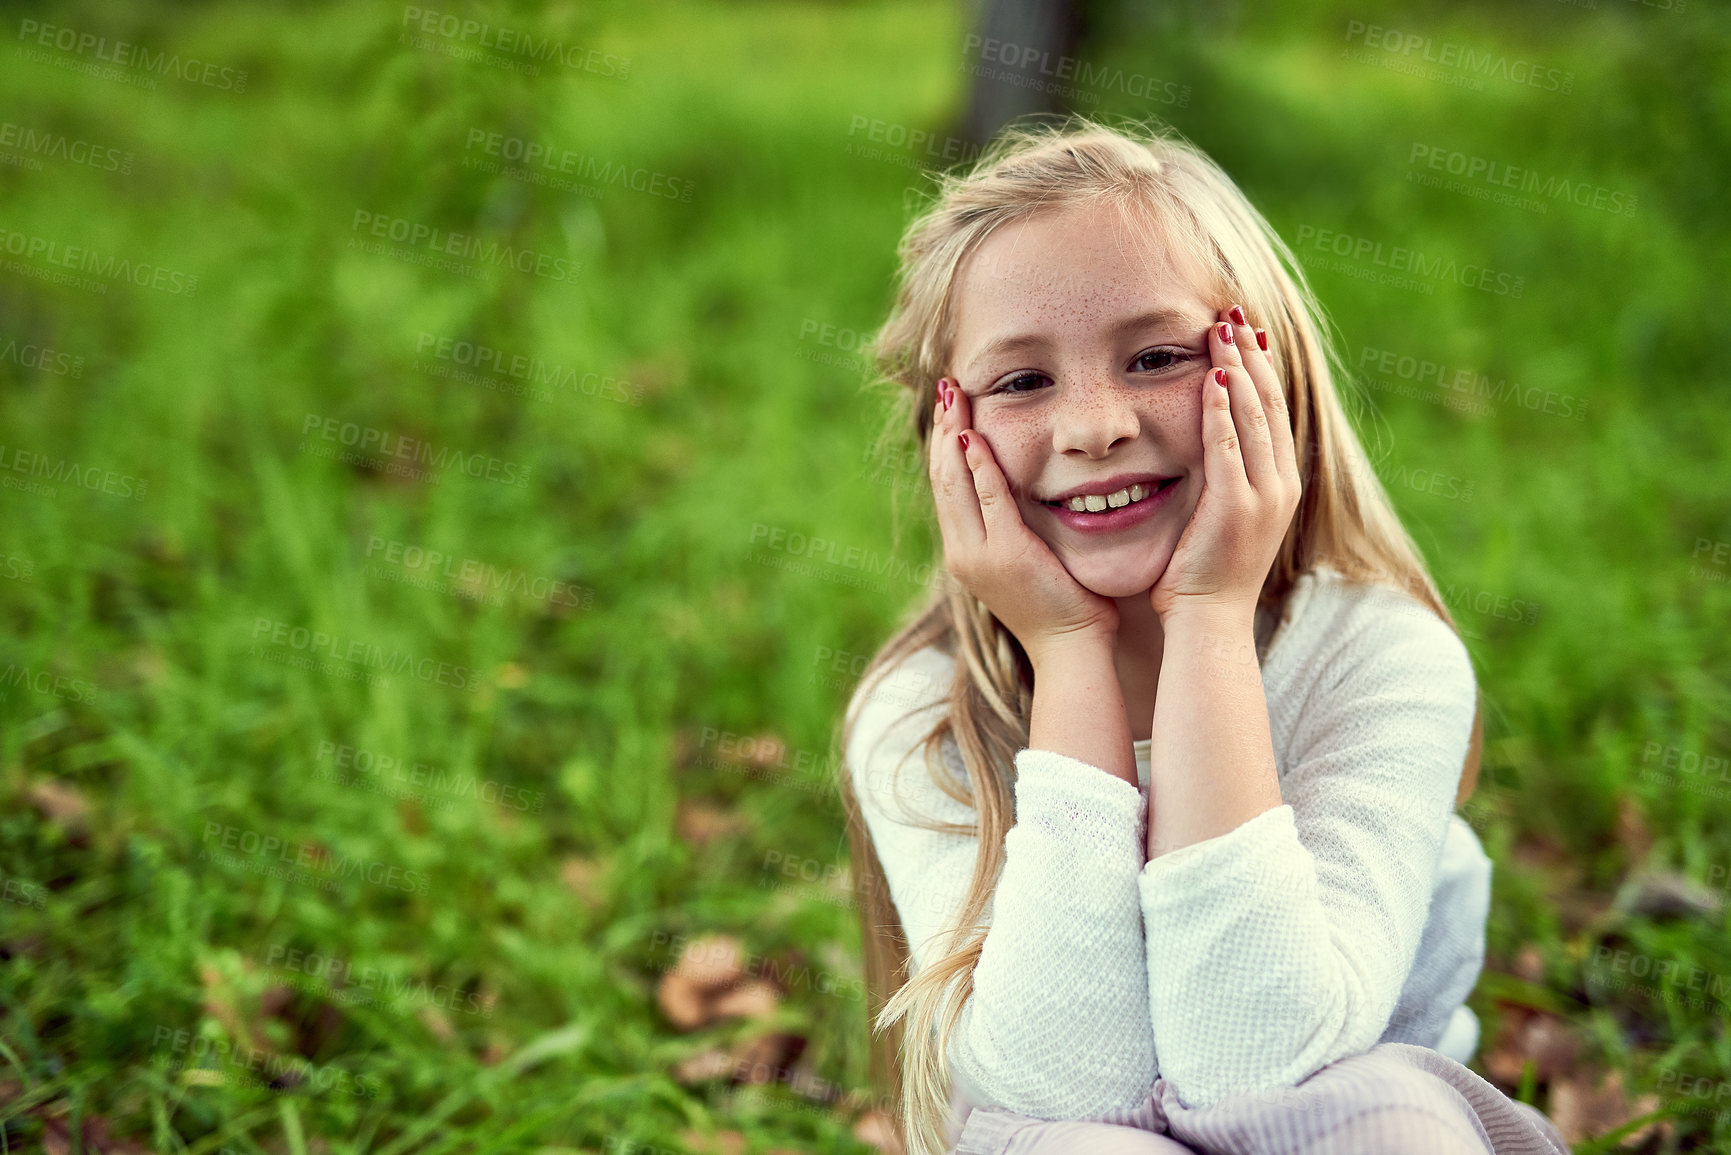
(1020, 444)
(1174, 419)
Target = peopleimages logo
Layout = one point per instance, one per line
(1366, 252)
(364, 655)
(124, 54)
(443, 243)
(533, 154)
(36, 143)
(397, 448)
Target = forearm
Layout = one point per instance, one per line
(1078, 707)
(1212, 757)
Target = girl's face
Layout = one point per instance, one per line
(1083, 353)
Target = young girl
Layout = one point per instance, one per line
(1162, 783)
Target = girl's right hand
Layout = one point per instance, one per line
(991, 551)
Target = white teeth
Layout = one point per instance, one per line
(1094, 502)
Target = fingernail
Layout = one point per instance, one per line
(1220, 378)
(964, 438)
(1225, 333)
(1237, 316)
(940, 388)
(1262, 339)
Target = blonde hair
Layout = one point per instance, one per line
(1154, 178)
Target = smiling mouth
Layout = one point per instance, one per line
(1103, 502)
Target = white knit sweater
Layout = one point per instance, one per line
(1353, 913)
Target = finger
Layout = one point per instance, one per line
(1222, 462)
(1253, 350)
(997, 503)
(1256, 445)
(953, 484)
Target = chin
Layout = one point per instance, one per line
(1112, 578)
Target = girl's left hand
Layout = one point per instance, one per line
(1250, 485)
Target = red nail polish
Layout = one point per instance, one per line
(949, 398)
(1237, 316)
(1220, 378)
(1225, 333)
(964, 438)
(1262, 339)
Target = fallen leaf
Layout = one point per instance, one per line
(61, 804)
(275, 1000)
(1552, 1045)
(1582, 1113)
(700, 823)
(767, 1058)
(711, 1063)
(584, 877)
(437, 1022)
(752, 999)
(720, 1143)
(684, 1004)
(713, 962)
(1524, 1035)
(1632, 829)
(767, 750)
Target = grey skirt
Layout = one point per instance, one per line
(1394, 1099)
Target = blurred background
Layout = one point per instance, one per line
(441, 518)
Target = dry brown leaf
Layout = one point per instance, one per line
(684, 1004)
(711, 1063)
(700, 823)
(275, 1000)
(751, 999)
(1582, 1113)
(766, 1058)
(1632, 829)
(1552, 1045)
(720, 1143)
(877, 1129)
(1530, 964)
(63, 805)
(57, 1137)
(583, 876)
(767, 750)
(437, 1022)
(713, 962)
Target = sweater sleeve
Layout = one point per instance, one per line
(1282, 946)
(1057, 1024)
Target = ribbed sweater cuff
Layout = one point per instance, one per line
(1262, 854)
(1048, 782)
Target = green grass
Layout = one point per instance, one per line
(604, 701)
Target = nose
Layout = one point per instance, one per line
(1094, 419)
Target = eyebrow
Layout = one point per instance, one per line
(1014, 342)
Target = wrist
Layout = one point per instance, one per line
(1209, 616)
(1070, 651)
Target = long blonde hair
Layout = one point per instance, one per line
(1344, 520)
